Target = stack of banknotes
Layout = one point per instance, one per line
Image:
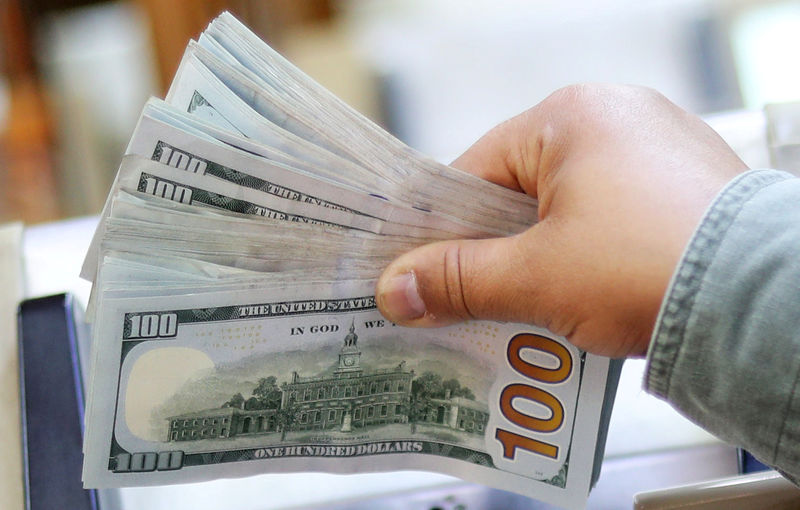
(233, 314)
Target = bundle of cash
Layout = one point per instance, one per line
(235, 329)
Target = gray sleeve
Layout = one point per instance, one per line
(726, 347)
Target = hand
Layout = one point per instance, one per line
(623, 177)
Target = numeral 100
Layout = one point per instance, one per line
(512, 441)
(153, 325)
(180, 159)
(167, 190)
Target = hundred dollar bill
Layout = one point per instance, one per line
(260, 169)
(232, 98)
(137, 174)
(257, 166)
(145, 225)
(312, 377)
(293, 95)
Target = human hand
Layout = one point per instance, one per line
(623, 177)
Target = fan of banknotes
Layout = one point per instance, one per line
(233, 315)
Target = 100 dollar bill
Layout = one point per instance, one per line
(218, 385)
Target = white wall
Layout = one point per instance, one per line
(456, 68)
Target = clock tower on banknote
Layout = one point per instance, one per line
(349, 355)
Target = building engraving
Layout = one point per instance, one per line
(346, 399)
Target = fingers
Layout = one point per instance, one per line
(497, 279)
(622, 177)
(495, 156)
(451, 281)
(510, 153)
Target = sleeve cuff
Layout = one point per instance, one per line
(679, 301)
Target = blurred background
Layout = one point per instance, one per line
(74, 74)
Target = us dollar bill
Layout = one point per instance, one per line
(226, 95)
(151, 177)
(312, 377)
(249, 164)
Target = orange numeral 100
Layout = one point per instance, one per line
(510, 440)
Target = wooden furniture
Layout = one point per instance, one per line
(28, 189)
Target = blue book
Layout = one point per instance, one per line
(52, 405)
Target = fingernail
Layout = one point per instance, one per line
(401, 299)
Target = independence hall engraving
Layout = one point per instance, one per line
(345, 399)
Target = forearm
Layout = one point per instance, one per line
(726, 348)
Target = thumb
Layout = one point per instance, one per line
(451, 281)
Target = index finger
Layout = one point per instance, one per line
(513, 153)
